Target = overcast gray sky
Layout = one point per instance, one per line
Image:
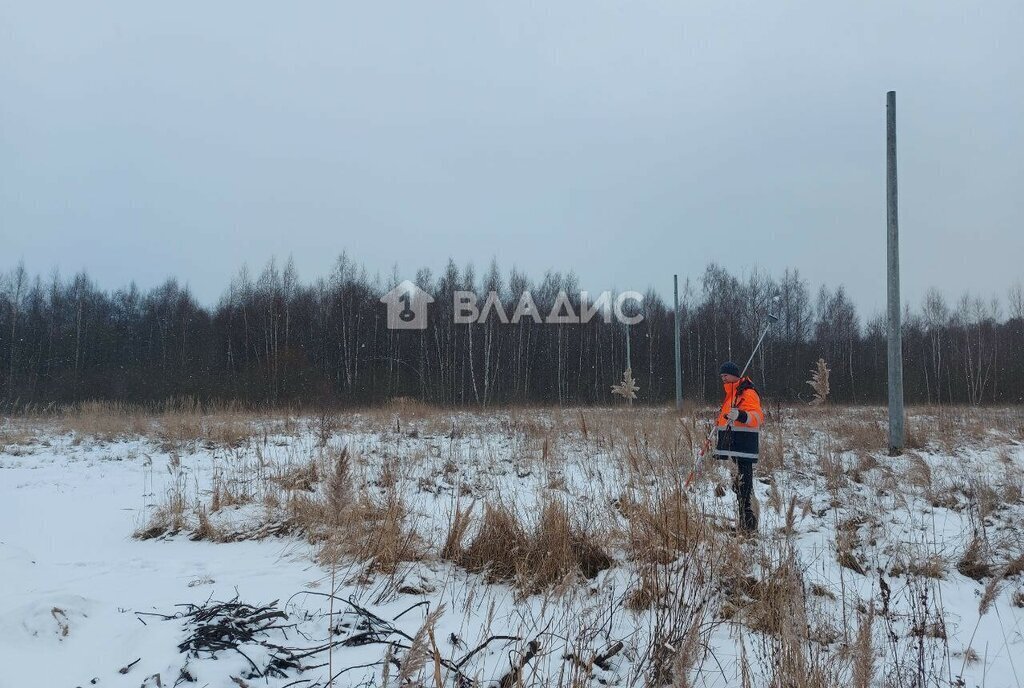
(625, 141)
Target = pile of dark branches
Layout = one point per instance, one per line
(234, 626)
(216, 627)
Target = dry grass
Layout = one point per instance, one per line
(505, 549)
(858, 432)
(846, 551)
(919, 473)
(864, 663)
(562, 546)
(660, 526)
(497, 549)
(931, 566)
(824, 474)
(304, 476)
(168, 518)
(175, 423)
(376, 532)
(15, 434)
(974, 562)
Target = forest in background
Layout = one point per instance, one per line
(274, 340)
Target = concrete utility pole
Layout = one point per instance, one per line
(675, 339)
(895, 332)
(629, 356)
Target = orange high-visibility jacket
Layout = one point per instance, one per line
(741, 438)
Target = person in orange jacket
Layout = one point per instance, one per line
(739, 429)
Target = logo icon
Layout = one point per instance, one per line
(407, 307)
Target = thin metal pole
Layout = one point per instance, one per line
(675, 339)
(893, 261)
(629, 360)
(756, 347)
(629, 357)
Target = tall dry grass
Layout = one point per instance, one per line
(174, 423)
(624, 510)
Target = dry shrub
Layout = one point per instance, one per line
(169, 516)
(972, 562)
(583, 430)
(865, 463)
(778, 606)
(227, 431)
(388, 477)
(830, 465)
(204, 530)
(505, 550)
(319, 517)
(411, 409)
(173, 423)
(931, 566)
(915, 437)
(646, 592)
(847, 543)
(374, 531)
(980, 492)
(790, 525)
(660, 527)
(919, 473)
(970, 655)
(325, 425)
(559, 547)
(775, 498)
(307, 514)
(367, 528)
(16, 436)
(303, 476)
(854, 434)
(945, 499)
(819, 590)
(104, 421)
(184, 427)
(819, 382)
(497, 548)
(955, 426)
(176, 430)
(412, 416)
(775, 604)
(1013, 485)
(1014, 567)
(167, 519)
(457, 527)
(231, 492)
(773, 450)
(684, 598)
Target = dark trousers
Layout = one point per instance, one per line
(743, 486)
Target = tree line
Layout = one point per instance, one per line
(272, 339)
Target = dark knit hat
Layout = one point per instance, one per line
(729, 368)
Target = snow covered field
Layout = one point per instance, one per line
(529, 547)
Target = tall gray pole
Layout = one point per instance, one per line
(675, 338)
(895, 334)
(629, 356)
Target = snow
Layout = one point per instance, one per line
(82, 599)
